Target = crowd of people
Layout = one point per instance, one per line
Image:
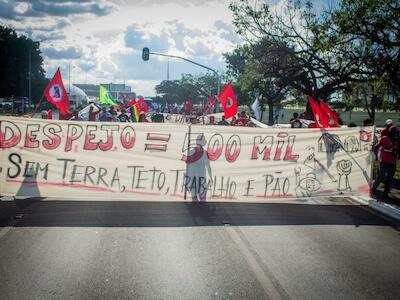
(111, 114)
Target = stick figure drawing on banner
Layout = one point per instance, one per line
(344, 169)
(307, 184)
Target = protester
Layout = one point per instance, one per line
(44, 114)
(388, 153)
(295, 122)
(112, 111)
(75, 116)
(352, 125)
(92, 112)
(123, 117)
(142, 118)
(113, 114)
(223, 121)
(104, 115)
(212, 120)
(295, 117)
(242, 120)
(157, 117)
(389, 124)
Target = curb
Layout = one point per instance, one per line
(389, 210)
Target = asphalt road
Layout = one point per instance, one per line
(322, 249)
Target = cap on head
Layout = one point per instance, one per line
(389, 122)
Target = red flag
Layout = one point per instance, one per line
(333, 119)
(320, 117)
(187, 106)
(55, 93)
(142, 105)
(131, 103)
(228, 101)
(210, 104)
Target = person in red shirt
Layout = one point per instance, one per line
(385, 131)
(93, 112)
(242, 120)
(388, 152)
(212, 120)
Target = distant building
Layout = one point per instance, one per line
(118, 91)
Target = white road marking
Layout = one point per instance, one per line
(265, 277)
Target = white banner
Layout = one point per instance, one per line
(169, 162)
(185, 119)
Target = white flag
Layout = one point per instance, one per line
(255, 109)
(84, 113)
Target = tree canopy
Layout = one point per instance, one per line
(321, 55)
(14, 65)
(293, 50)
(189, 87)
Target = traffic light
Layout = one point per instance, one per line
(146, 54)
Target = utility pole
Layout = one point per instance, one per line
(30, 71)
(69, 78)
(30, 80)
(168, 70)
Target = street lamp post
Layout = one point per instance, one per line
(190, 61)
(30, 81)
(30, 74)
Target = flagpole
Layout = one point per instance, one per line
(37, 105)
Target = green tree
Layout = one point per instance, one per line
(297, 52)
(189, 87)
(374, 27)
(14, 65)
(246, 68)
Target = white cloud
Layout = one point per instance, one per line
(22, 8)
(104, 43)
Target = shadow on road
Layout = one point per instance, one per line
(181, 214)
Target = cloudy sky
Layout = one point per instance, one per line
(102, 40)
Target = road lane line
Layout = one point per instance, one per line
(7, 228)
(270, 284)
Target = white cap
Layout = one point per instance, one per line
(389, 121)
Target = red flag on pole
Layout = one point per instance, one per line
(228, 101)
(320, 117)
(333, 119)
(55, 93)
(131, 103)
(142, 105)
(209, 106)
